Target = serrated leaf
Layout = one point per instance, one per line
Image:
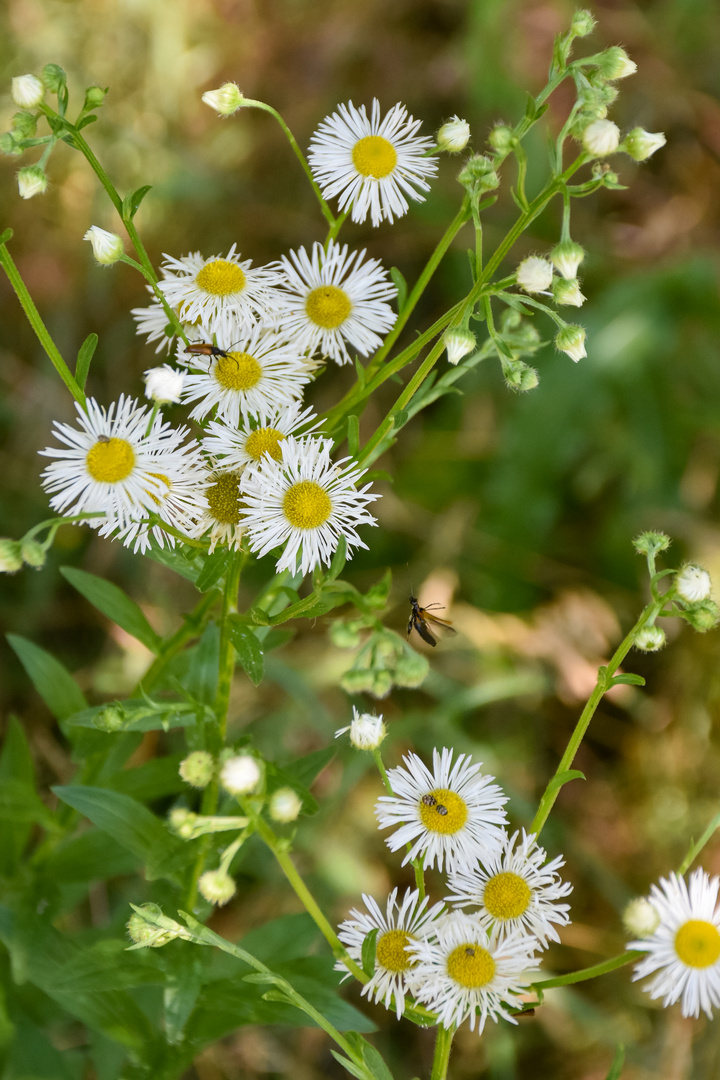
(113, 603)
(627, 680)
(216, 566)
(369, 948)
(53, 682)
(131, 203)
(401, 285)
(130, 823)
(84, 356)
(248, 650)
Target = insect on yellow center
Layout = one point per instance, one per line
(374, 156)
(264, 440)
(224, 499)
(471, 966)
(221, 278)
(238, 371)
(110, 460)
(443, 811)
(328, 306)
(306, 505)
(391, 952)
(697, 943)
(506, 896)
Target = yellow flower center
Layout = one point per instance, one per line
(221, 278)
(374, 156)
(506, 896)
(697, 943)
(471, 966)
(164, 480)
(442, 811)
(238, 371)
(264, 440)
(328, 306)
(391, 952)
(110, 460)
(224, 499)
(306, 505)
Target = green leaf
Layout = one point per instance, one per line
(617, 1065)
(369, 947)
(216, 566)
(400, 418)
(137, 716)
(401, 285)
(5, 235)
(186, 562)
(85, 355)
(627, 680)
(304, 770)
(131, 203)
(113, 602)
(20, 805)
(248, 650)
(375, 1062)
(353, 434)
(202, 673)
(90, 856)
(53, 682)
(129, 823)
(564, 778)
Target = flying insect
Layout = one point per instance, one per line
(420, 617)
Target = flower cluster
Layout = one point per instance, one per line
(461, 964)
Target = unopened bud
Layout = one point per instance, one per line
(241, 774)
(566, 258)
(502, 138)
(600, 138)
(479, 174)
(95, 96)
(651, 543)
(10, 556)
(411, 668)
(571, 340)
(110, 718)
(366, 731)
(31, 181)
(107, 246)
(381, 685)
(458, 344)
(614, 63)
(534, 274)
(226, 100)
(640, 918)
(148, 926)
(703, 616)
(583, 23)
(692, 583)
(344, 634)
(53, 77)
(217, 887)
(33, 554)
(640, 144)
(163, 384)
(285, 805)
(650, 639)
(182, 822)
(453, 136)
(27, 91)
(567, 292)
(24, 125)
(197, 769)
(9, 145)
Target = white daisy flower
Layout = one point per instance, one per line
(372, 164)
(221, 292)
(260, 374)
(305, 502)
(402, 925)
(684, 950)
(120, 463)
(334, 298)
(258, 435)
(515, 891)
(224, 517)
(461, 972)
(452, 816)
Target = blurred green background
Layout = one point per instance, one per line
(517, 513)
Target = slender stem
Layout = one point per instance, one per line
(227, 649)
(151, 278)
(43, 335)
(604, 682)
(381, 769)
(441, 1057)
(591, 972)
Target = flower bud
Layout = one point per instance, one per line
(143, 931)
(453, 136)
(95, 96)
(411, 668)
(54, 78)
(24, 125)
(651, 543)
(182, 822)
(107, 246)
(650, 639)
(33, 554)
(111, 718)
(344, 634)
(31, 180)
(357, 681)
(502, 138)
(217, 887)
(601, 137)
(640, 144)
(163, 384)
(27, 91)
(479, 174)
(285, 805)
(534, 274)
(566, 258)
(567, 292)
(518, 375)
(366, 731)
(458, 343)
(10, 556)
(225, 101)
(9, 145)
(381, 685)
(640, 918)
(614, 63)
(692, 583)
(197, 769)
(703, 616)
(241, 774)
(582, 23)
(571, 340)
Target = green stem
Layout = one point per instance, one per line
(591, 972)
(306, 898)
(227, 649)
(381, 769)
(43, 335)
(441, 1057)
(604, 683)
